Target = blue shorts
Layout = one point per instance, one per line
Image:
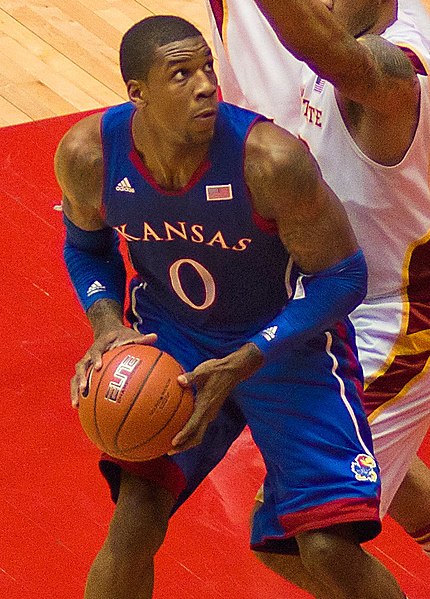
(305, 415)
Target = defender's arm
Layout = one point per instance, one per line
(371, 72)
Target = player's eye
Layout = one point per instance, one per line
(209, 66)
(180, 74)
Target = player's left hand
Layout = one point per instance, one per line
(214, 380)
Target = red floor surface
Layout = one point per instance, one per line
(55, 507)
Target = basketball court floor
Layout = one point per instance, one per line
(58, 60)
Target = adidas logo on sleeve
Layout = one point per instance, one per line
(270, 333)
(125, 185)
(96, 287)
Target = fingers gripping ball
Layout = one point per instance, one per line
(134, 406)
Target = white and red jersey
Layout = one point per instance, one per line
(389, 208)
(254, 68)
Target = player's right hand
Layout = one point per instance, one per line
(93, 358)
(213, 381)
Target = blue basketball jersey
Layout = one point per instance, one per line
(208, 278)
(198, 252)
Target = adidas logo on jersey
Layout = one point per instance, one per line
(270, 333)
(124, 185)
(96, 287)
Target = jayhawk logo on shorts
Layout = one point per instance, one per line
(364, 468)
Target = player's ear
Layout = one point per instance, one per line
(137, 92)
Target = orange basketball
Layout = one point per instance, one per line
(134, 406)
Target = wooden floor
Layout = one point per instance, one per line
(60, 56)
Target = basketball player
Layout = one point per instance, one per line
(364, 112)
(246, 270)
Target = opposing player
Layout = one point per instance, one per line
(246, 270)
(365, 115)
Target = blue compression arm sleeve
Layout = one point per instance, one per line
(95, 264)
(321, 300)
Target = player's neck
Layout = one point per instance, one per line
(172, 163)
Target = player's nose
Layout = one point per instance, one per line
(205, 85)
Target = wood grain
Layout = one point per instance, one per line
(61, 56)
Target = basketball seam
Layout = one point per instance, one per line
(159, 430)
(136, 396)
(125, 350)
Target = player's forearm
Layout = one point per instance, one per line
(105, 315)
(321, 300)
(95, 265)
(310, 32)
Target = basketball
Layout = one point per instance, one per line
(133, 406)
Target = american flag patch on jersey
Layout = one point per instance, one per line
(319, 85)
(218, 193)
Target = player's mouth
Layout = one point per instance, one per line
(207, 115)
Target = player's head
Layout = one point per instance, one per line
(363, 16)
(168, 69)
(140, 42)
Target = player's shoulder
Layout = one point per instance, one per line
(270, 148)
(234, 119)
(389, 91)
(82, 143)
(79, 159)
(408, 33)
(279, 169)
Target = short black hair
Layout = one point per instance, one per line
(140, 42)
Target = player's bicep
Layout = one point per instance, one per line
(314, 227)
(79, 171)
(83, 214)
(286, 186)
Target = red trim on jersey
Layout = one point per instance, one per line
(264, 224)
(339, 511)
(218, 13)
(405, 367)
(388, 385)
(146, 174)
(161, 471)
(416, 62)
(419, 317)
(418, 290)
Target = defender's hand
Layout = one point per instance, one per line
(120, 335)
(214, 380)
